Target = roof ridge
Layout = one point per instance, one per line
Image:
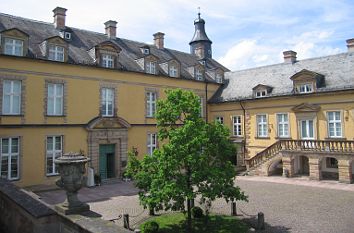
(278, 64)
(23, 18)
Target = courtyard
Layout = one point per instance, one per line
(289, 205)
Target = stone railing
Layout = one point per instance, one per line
(330, 146)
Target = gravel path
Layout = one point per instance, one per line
(289, 205)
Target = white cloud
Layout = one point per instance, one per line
(249, 53)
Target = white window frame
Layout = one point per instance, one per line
(151, 98)
(106, 100)
(173, 71)
(67, 35)
(261, 93)
(57, 97)
(262, 125)
(107, 61)
(151, 67)
(10, 155)
(151, 143)
(337, 124)
(12, 45)
(283, 126)
(305, 88)
(198, 74)
(146, 51)
(237, 125)
(308, 129)
(219, 119)
(12, 95)
(53, 154)
(56, 53)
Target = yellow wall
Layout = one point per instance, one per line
(340, 101)
(82, 102)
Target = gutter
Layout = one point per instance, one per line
(244, 129)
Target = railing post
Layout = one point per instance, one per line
(126, 221)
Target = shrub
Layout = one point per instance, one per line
(197, 212)
(150, 227)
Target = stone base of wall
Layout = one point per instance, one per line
(330, 175)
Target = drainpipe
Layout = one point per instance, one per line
(206, 102)
(244, 130)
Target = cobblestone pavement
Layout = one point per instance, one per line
(289, 205)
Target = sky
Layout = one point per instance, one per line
(245, 33)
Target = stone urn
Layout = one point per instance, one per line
(72, 168)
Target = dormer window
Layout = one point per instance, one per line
(67, 35)
(173, 72)
(56, 53)
(306, 81)
(107, 61)
(13, 47)
(146, 51)
(261, 93)
(151, 67)
(305, 88)
(198, 74)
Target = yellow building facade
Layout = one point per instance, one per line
(64, 89)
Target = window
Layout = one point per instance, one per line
(67, 35)
(150, 104)
(219, 119)
(107, 102)
(56, 53)
(283, 125)
(146, 51)
(107, 61)
(236, 124)
(151, 67)
(54, 150)
(11, 102)
(305, 88)
(262, 126)
(199, 74)
(173, 71)
(334, 124)
(218, 78)
(331, 162)
(55, 99)
(307, 129)
(261, 93)
(9, 161)
(201, 107)
(13, 47)
(151, 143)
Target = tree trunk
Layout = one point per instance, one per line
(189, 206)
(189, 218)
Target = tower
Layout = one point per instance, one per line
(200, 44)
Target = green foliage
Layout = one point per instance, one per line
(150, 227)
(195, 160)
(176, 223)
(197, 212)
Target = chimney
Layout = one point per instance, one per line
(289, 56)
(159, 40)
(111, 29)
(59, 17)
(350, 45)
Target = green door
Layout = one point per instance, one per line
(107, 161)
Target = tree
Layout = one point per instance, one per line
(194, 160)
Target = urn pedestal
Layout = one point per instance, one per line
(72, 169)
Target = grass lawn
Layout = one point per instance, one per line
(176, 223)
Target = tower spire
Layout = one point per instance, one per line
(200, 43)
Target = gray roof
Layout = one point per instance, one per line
(82, 41)
(338, 72)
